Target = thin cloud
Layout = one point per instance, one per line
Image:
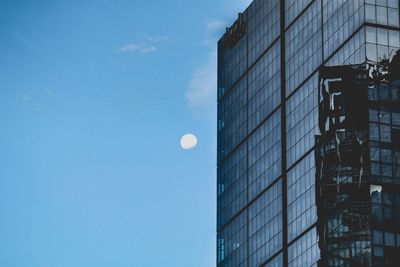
(200, 94)
(49, 92)
(157, 39)
(212, 32)
(26, 98)
(148, 49)
(214, 25)
(129, 48)
(147, 44)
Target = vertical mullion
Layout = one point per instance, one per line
(283, 133)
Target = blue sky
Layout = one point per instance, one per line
(94, 97)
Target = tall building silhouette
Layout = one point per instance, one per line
(270, 76)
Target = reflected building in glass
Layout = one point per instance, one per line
(358, 164)
(269, 65)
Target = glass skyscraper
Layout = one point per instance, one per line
(268, 80)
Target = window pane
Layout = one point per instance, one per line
(389, 239)
(387, 170)
(371, 34)
(384, 117)
(378, 238)
(370, 13)
(371, 52)
(393, 3)
(375, 169)
(378, 251)
(383, 52)
(386, 155)
(396, 118)
(394, 38)
(393, 17)
(381, 2)
(374, 154)
(385, 133)
(381, 13)
(382, 36)
(374, 115)
(374, 131)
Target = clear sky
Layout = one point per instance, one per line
(94, 97)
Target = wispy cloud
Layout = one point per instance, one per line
(129, 48)
(201, 91)
(148, 49)
(233, 7)
(26, 98)
(212, 31)
(49, 92)
(156, 39)
(146, 44)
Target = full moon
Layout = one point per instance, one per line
(188, 141)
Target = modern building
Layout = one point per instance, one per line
(269, 64)
(358, 164)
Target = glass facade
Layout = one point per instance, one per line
(268, 119)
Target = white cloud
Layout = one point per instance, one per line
(49, 92)
(157, 39)
(214, 25)
(129, 48)
(141, 48)
(201, 92)
(26, 98)
(213, 30)
(148, 49)
(147, 44)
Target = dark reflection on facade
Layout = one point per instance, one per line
(357, 164)
(268, 80)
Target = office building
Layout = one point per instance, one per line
(268, 117)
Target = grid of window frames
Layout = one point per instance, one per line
(386, 210)
(304, 52)
(265, 225)
(263, 27)
(264, 87)
(386, 207)
(234, 62)
(381, 43)
(232, 185)
(293, 8)
(383, 12)
(341, 18)
(303, 47)
(232, 119)
(275, 262)
(385, 161)
(352, 52)
(301, 211)
(382, 240)
(304, 252)
(232, 243)
(264, 155)
(301, 120)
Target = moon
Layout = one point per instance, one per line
(188, 141)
